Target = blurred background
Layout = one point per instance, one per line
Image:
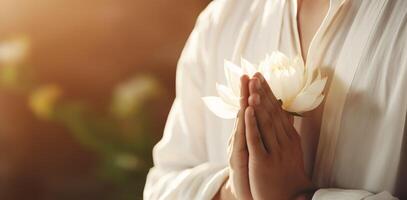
(85, 87)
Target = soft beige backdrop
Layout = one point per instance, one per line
(86, 46)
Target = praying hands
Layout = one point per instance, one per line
(265, 155)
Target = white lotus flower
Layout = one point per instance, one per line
(288, 79)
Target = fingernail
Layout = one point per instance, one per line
(260, 77)
(258, 86)
(243, 77)
(257, 99)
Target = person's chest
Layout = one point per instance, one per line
(360, 49)
(310, 14)
(254, 33)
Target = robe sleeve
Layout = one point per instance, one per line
(181, 167)
(341, 194)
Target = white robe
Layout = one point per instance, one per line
(358, 149)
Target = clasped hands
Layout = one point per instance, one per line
(265, 155)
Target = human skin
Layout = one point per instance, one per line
(310, 16)
(265, 155)
(276, 165)
(237, 184)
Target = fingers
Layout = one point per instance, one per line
(239, 139)
(254, 143)
(266, 90)
(265, 86)
(291, 119)
(260, 102)
(255, 87)
(244, 91)
(268, 131)
(272, 104)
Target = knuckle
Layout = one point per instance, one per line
(242, 101)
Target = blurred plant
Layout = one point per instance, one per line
(130, 96)
(13, 51)
(120, 134)
(12, 55)
(43, 100)
(15, 74)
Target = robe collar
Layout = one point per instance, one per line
(338, 2)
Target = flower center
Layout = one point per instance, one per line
(280, 71)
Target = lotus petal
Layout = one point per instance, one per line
(317, 102)
(275, 86)
(227, 95)
(233, 74)
(298, 64)
(301, 103)
(291, 84)
(316, 87)
(299, 88)
(278, 58)
(248, 68)
(220, 108)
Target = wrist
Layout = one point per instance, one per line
(305, 195)
(225, 192)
